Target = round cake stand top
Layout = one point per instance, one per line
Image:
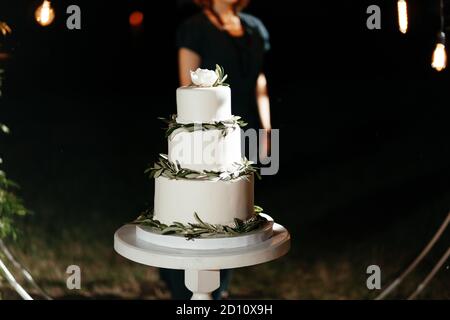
(129, 246)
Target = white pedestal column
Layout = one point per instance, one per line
(202, 283)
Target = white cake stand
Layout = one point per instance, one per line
(202, 267)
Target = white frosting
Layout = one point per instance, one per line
(203, 104)
(205, 150)
(215, 202)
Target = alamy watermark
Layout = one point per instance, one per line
(73, 281)
(218, 149)
(73, 22)
(373, 22)
(270, 160)
(373, 282)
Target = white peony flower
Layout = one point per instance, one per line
(203, 77)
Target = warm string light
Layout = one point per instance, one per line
(439, 61)
(45, 14)
(5, 29)
(439, 58)
(402, 16)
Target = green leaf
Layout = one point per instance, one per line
(158, 173)
(224, 78)
(258, 209)
(171, 230)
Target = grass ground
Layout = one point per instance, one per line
(333, 267)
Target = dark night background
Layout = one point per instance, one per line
(363, 122)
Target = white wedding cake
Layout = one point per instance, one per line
(204, 177)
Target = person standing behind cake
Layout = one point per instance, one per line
(222, 34)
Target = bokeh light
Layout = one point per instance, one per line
(136, 19)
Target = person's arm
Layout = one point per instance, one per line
(263, 103)
(187, 60)
(262, 100)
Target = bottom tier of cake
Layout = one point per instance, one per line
(215, 202)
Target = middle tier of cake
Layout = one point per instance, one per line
(205, 150)
(215, 202)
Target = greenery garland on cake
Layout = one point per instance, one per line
(172, 170)
(226, 126)
(201, 228)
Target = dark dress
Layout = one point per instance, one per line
(242, 57)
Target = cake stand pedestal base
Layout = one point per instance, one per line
(201, 266)
(202, 283)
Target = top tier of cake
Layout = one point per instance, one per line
(203, 104)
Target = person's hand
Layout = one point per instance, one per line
(265, 144)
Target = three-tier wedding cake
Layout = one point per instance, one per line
(203, 186)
